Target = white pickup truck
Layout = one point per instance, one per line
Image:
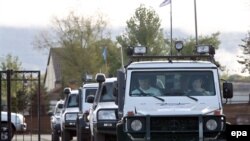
(17, 124)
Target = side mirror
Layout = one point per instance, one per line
(66, 91)
(227, 90)
(60, 106)
(100, 77)
(50, 113)
(90, 98)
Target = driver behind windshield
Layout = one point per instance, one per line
(145, 88)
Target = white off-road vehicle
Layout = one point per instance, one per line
(103, 113)
(69, 114)
(18, 124)
(82, 124)
(55, 120)
(176, 112)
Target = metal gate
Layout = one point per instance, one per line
(19, 93)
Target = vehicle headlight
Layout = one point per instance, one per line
(71, 116)
(211, 124)
(136, 125)
(106, 115)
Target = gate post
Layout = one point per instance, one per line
(9, 73)
(0, 104)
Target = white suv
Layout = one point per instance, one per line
(178, 112)
(69, 114)
(17, 124)
(82, 124)
(55, 120)
(103, 113)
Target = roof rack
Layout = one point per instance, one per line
(173, 57)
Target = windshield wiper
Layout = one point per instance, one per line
(193, 98)
(150, 94)
(161, 99)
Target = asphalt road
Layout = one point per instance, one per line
(33, 137)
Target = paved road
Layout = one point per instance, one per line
(33, 137)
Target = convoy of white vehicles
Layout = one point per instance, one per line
(181, 100)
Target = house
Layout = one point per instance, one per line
(53, 76)
(53, 80)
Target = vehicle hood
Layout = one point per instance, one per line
(72, 110)
(173, 108)
(107, 105)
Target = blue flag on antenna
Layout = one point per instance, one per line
(104, 54)
(165, 2)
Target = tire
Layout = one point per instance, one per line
(98, 137)
(82, 136)
(66, 135)
(91, 138)
(55, 136)
(5, 127)
(79, 135)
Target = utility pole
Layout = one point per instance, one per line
(195, 20)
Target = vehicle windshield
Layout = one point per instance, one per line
(89, 92)
(172, 83)
(73, 100)
(107, 93)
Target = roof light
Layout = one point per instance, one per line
(140, 50)
(178, 45)
(205, 49)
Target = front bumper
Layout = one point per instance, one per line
(21, 127)
(106, 127)
(70, 125)
(164, 128)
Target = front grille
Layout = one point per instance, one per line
(174, 137)
(174, 124)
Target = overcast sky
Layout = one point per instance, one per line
(212, 15)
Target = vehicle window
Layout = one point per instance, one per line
(89, 92)
(172, 83)
(107, 93)
(73, 100)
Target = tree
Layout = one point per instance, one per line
(190, 43)
(81, 41)
(144, 29)
(244, 59)
(11, 62)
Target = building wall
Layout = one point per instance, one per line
(50, 79)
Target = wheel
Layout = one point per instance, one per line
(86, 137)
(4, 136)
(99, 137)
(91, 138)
(82, 136)
(55, 136)
(66, 135)
(79, 135)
